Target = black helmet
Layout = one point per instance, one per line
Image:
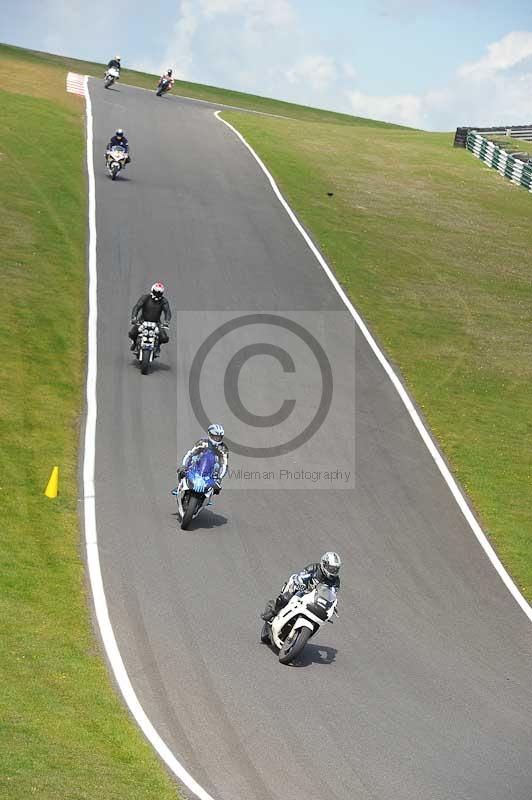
(119, 133)
(169, 72)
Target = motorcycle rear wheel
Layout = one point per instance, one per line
(293, 647)
(189, 511)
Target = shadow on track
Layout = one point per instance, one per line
(316, 654)
(312, 654)
(206, 521)
(155, 366)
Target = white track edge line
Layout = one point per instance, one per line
(93, 559)
(403, 394)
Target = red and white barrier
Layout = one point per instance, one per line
(75, 83)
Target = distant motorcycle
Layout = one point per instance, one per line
(300, 619)
(112, 75)
(147, 348)
(116, 160)
(196, 488)
(163, 86)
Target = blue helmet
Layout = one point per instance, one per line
(215, 433)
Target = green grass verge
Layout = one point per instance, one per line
(434, 250)
(196, 90)
(63, 730)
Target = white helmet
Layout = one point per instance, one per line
(157, 291)
(216, 433)
(330, 564)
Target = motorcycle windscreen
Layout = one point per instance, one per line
(205, 465)
(325, 596)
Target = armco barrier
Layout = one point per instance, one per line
(494, 156)
(514, 131)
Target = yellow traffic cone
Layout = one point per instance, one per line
(53, 484)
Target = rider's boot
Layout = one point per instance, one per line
(272, 608)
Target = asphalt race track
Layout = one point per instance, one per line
(421, 689)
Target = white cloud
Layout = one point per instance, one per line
(318, 72)
(481, 93)
(250, 21)
(178, 54)
(404, 109)
(511, 50)
(350, 72)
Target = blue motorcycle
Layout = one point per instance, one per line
(196, 488)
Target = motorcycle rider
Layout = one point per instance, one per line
(149, 308)
(167, 76)
(114, 62)
(119, 138)
(213, 441)
(327, 570)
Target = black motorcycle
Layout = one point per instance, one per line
(147, 345)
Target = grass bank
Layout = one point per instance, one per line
(64, 732)
(434, 250)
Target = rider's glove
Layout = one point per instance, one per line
(181, 473)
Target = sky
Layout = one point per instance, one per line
(432, 64)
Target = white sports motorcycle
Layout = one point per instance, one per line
(300, 619)
(112, 75)
(116, 159)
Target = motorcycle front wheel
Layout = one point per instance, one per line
(189, 511)
(145, 362)
(293, 646)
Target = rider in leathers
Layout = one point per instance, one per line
(214, 442)
(325, 571)
(150, 308)
(115, 62)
